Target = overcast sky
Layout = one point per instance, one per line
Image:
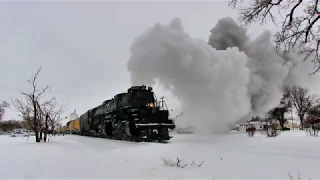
(84, 46)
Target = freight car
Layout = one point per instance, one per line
(136, 115)
(63, 129)
(73, 126)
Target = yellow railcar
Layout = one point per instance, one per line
(63, 128)
(77, 124)
(73, 126)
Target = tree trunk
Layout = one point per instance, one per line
(36, 131)
(41, 135)
(45, 137)
(282, 119)
(40, 127)
(301, 122)
(46, 129)
(35, 122)
(281, 125)
(37, 135)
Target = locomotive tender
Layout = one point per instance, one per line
(132, 116)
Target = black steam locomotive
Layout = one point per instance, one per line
(132, 116)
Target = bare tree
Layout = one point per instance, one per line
(314, 112)
(271, 126)
(3, 105)
(279, 112)
(50, 113)
(300, 27)
(313, 120)
(28, 106)
(271, 129)
(302, 101)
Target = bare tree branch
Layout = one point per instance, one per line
(50, 111)
(3, 105)
(300, 32)
(29, 107)
(302, 101)
(313, 120)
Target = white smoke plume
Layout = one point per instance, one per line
(220, 82)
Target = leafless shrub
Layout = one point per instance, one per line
(168, 162)
(197, 165)
(251, 130)
(171, 163)
(179, 163)
(312, 131)
(271, 129)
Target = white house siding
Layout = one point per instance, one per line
(257, 125)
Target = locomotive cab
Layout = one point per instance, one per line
(140, 98)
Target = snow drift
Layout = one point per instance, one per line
(220, 82)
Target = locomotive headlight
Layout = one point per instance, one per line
(151, 105)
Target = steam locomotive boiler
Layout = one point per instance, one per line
(132, 116)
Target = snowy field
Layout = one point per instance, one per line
(232, 156)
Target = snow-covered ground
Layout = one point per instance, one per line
(233, 155)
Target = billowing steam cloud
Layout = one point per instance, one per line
(267, 67)
(219, 82)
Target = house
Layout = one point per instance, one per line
(292, 125)
(259, 125)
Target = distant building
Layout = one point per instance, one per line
(294, 125)
(259, 125)
(73, 115)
